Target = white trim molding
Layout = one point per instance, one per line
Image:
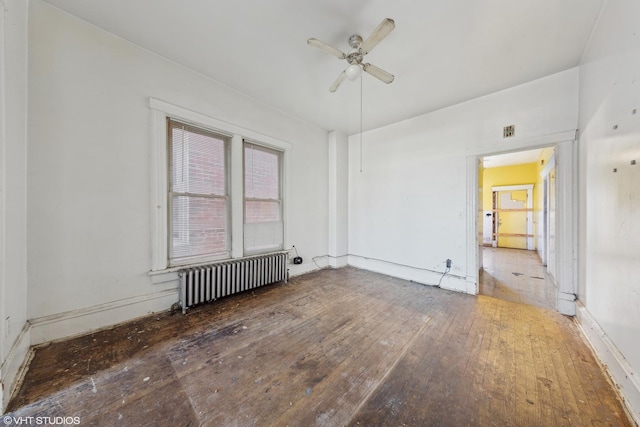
(494, 147)
(620, 371)
(473, 254)
(567, 246)
(338, 261)
(423, 276)
(566, 226)
(159, 211)
(15, 365)
(82, 321)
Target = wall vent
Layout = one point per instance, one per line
(508, 131)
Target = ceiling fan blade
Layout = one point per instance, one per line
(326, 48)
(339, 80)
(378, 34)
(378, 73)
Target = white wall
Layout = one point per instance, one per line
(14, 339)
(89, 182)
(338, 199)
(610, 202)
(409, 205)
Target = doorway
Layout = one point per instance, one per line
(512, 221)
(517, 221)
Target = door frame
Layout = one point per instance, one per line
(529, 188)
(566, 151)
(544, 173)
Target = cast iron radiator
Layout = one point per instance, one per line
(209, 282)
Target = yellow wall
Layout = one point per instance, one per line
(526, 173)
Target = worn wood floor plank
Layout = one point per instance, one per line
(335, 347)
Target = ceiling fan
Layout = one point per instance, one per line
(359, 49)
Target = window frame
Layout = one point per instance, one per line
(226, 139)
(280, 153)
(160, 111)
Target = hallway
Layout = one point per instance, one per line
(516, 275)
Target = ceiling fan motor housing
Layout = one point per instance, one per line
(355, 41)
(354, 58)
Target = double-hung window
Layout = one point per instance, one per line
(198, 194)
(219, 193)
(263, 223)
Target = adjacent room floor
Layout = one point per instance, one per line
(331, 348)
(516, 275)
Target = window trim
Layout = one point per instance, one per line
(160, 111)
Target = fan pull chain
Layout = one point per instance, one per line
(360, 123)
(182, 155)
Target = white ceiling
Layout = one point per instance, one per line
(508, 159)
(442, 52)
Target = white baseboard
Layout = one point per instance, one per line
(15, 365)
(624, 376)
(84, 320)
(307, 267)
(338, 261)
(425, 277)
(566, 303)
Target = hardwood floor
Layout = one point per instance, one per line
(331, 348)
(516, 275)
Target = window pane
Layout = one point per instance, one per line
(261, 173)
(263, 237)
(199, 226)
(263, 226)
(198, 160)
(261, 211)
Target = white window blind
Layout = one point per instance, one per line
(263, 224)
(198, 194)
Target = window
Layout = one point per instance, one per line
(200, 212)
(198, 195)
(263, 224)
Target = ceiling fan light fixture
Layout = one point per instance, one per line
(353, 71)
(359, 48)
